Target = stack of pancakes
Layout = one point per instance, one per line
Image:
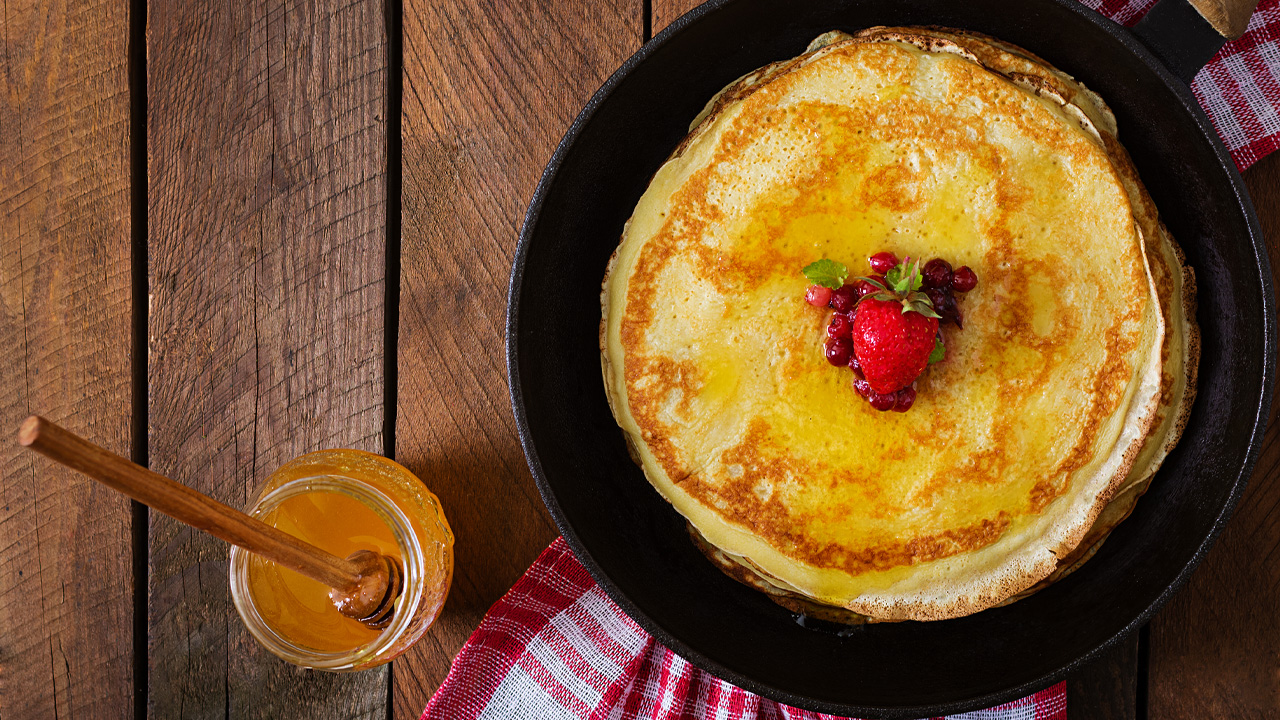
(1055, 405)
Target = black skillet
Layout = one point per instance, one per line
(633, 542)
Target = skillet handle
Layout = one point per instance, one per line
(1186, 34)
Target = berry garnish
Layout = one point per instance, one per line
(893, 342)
(906, 397)
(862, 387)
(883, 262)
(840, 326)
(883, 401)
(843, 298)
(838, 351)
(854, 365)
(963, 279)
(862, 287)
(943, 302)
(818, 295)
(885, 326)
(938, 297)
(936, 273)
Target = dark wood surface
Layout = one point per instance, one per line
(267, 187)
(1215, 649)
(267, 194)
(66, 579)
(489, 88)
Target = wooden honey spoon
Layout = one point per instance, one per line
(364, 586)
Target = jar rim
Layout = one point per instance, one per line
(412, 558)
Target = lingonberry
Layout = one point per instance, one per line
(906, 398)
(839, 327)
(843, 299)
(964, 279)
(817, 295)
(882, 401)
(838, 351)
(936, 273)
(883, 262)
(854, 365)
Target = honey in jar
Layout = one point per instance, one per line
(342, 501)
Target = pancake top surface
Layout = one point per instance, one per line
(714, 364)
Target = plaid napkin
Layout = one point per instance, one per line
(1240, 88)
(556, 647)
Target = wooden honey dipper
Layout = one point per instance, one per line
(364, 586)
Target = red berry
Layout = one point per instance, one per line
(842, 300)
(936, 273)
(854, 365)
(883, 262)
(893, 347)
(817, 295)
(944, 303)
(840, 326)
(862, 288)
(862, 386)
(838, 351)
(905, 399)
(963, 279)
(883, 401)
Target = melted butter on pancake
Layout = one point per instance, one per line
(714, 364)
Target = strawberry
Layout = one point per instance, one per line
(895, 330)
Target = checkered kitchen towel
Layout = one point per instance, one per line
(1240, 88)
(557, 648)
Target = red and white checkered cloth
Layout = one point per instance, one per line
(556, 647)
(1240, 88)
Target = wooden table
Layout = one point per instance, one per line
(237, 232)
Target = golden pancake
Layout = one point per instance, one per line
(713, 362)
(1173, 279)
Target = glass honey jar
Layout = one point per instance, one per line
(342, 501)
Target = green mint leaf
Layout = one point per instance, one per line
(939, 350)
(827, 273)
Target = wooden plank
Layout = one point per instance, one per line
(665, 12)
(1215, 649)
(267, 191)
(66, 579)
(489, 88)
(1106, 688)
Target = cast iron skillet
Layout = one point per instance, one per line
(634, 543)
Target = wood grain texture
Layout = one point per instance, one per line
(489, 88)
(66, 580)
(1107, 687)
(1215, 649)
(665, 12)
(267, 145)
